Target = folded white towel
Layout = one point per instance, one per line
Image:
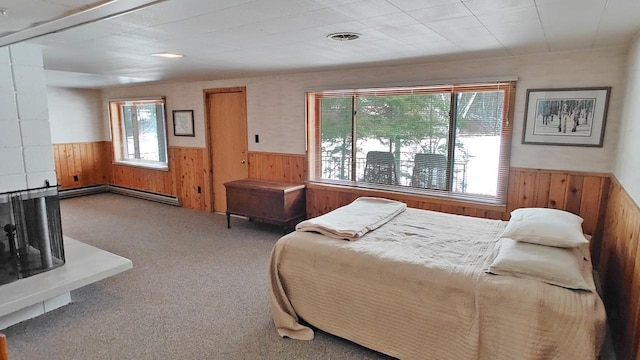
(352, 221)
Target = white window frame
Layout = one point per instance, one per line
(119, 137)
(314, 134)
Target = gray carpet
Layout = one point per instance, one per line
(196, 291)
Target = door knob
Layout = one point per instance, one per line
(243, 161)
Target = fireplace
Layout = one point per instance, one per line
(30, 233)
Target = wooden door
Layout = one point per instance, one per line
(227, 119)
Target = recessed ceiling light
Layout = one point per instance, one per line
(4, 11)
(168, 55)
(344, 36)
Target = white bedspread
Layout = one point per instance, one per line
(355, 219)
(416, 289)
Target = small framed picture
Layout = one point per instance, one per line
(572, 117)
(183, 123)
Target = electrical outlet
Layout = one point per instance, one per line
(75, 178)
(257, 138)
(199, 190)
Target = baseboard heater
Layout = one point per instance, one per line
(146, 195)
(86, 190)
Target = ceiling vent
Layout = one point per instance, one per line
(344, 36)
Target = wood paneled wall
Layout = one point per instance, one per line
(134, 177)
(187, 176)
(608, 211)
(610, 215)
(579, 193)
(89, 163)
(582, 193)
(189, 169)
(92, 163)
(184, 179)
(619, 269)
(277, 167)
(322, 198)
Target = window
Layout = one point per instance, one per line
(139, 132)
(449, 140)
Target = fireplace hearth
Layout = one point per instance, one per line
(30, 233)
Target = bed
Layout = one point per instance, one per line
(416, 287)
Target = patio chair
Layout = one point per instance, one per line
(430, 171)
(380, 168)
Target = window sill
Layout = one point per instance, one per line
(442, 197)
(143, 164)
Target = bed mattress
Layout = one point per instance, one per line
(417, 288)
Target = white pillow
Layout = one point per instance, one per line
(552, 265)
(543, 226)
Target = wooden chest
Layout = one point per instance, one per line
(268, 201)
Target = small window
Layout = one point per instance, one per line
(451, 140)
(139, 132)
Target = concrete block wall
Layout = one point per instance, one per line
(26, 153)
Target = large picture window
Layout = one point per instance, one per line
(441, 140)
(139, 132)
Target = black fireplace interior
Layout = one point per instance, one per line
(30, 233)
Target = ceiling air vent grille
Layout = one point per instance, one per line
(344, 36)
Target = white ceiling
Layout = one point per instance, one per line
(237, 38)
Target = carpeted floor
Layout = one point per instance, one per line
(196, 291)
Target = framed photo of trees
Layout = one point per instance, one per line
(571, 117)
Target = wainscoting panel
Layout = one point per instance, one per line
(134, 177)
(619, 270)
(277, 167)
(93, 165)
(583, 194)
(184, 179)
(82, 164)
(580, 193)
(322, 198)
(187, 166)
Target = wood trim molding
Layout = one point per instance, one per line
(225, 90)
(570, 172)
(4, 348)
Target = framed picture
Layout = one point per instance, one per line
(572, 117)
(183, 123)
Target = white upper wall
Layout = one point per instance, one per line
(275, 104)
(75, 115)
(628, 157)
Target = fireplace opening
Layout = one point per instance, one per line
(30, 233)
